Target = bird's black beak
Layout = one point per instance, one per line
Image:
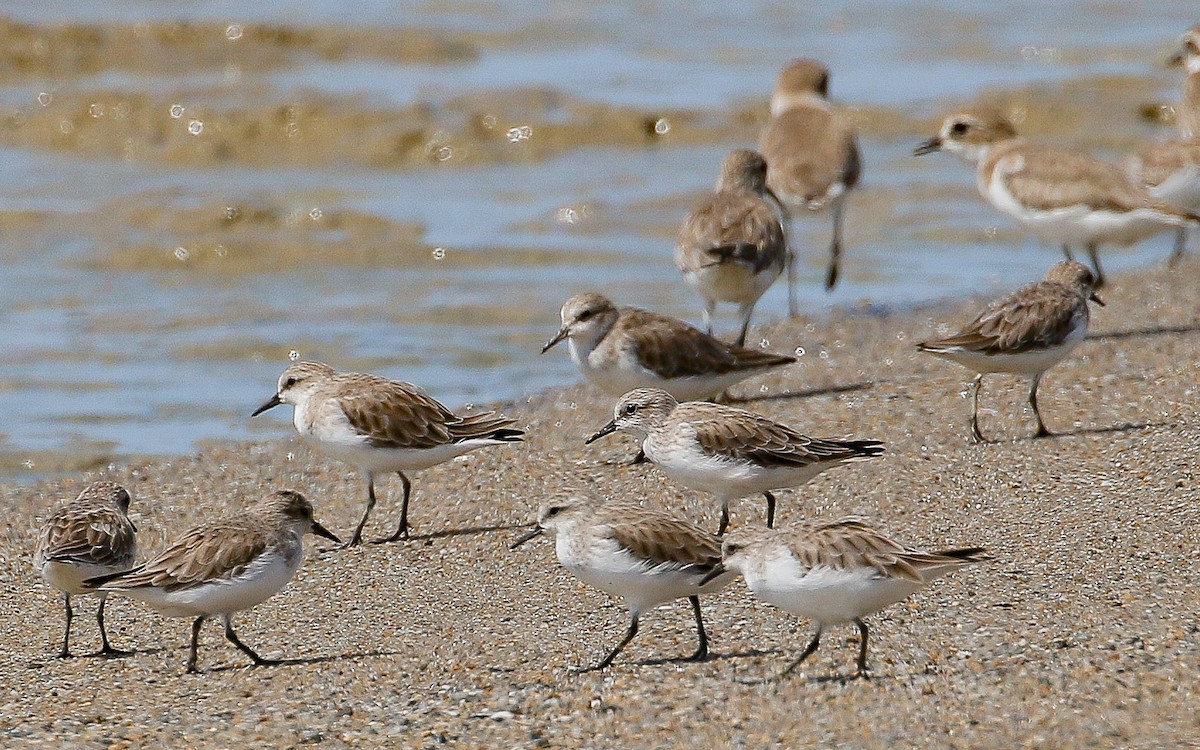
(271, 404)
(607, 429)
(717, 570)
(320, 530)
(928, 147)
(1096, 298)
(537, 531)
(562, 334)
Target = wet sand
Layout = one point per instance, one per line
(1081, 632)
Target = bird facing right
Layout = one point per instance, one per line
(833, 572)
(223, 566)
(1024, 333)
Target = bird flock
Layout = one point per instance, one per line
(670, 383)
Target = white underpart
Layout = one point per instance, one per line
(1024, 363)
(1074, 226)
(1181, 189)
(330, 431)
(261, 579)
(682, 459)
(68, 577)
(824, 594)
(643, 585)
(732, 281)
(624, 373)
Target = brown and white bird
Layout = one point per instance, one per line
(223, 566)
(833, 572)
(621, 348)
(87, 537)
(645, 556)
(1170, 169)
(812, 155)
(1024, 333)
(732, 247)
(381, 425)
(726, 451)
(1187, 113)
(1063, 197)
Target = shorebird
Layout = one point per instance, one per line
(1024, 333)
(88, 537)
(833, 572)
(223, 567)
(644, 556)
(1170, 170)
(381, 425)
(732, 247)
(812, 154)
(1188, 111)
(1062, 196)
(622, 348)
(726, 451)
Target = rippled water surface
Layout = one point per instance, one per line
(415, 189)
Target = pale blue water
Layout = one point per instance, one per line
(108, 356)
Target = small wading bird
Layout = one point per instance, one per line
(645, 556)
(381, 425)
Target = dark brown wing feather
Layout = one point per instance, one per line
(735, 226)
(674, 349)
(769, 443)
(95, 536)
(221, 549)
(662, 539)
(394, 414)
(1037, 316)
(850, 542)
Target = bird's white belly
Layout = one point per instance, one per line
(1028, 363)
(824, 594)
(732, 282)
(261, 580)
(1077, 226)
(727, 478)
(69, 577)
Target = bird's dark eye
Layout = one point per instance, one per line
(732, 548)
(959, 128)
(629, 409)
(585, 315)
(289, 382)
(553, 511)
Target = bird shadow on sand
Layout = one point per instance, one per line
(809, 393)
(712, 657)
(1123, 427)
(123, 654)
(303, 661)
(1140, 332)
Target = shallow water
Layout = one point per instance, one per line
(154, 289)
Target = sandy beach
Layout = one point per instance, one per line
(1081, 632)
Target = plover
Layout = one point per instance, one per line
(1169, 170)
(732, 247)
(224, 566)
(645, 556)
(1024, 333)
(812, 154)
(833, 572)
(726, 451)
(1188, 111)
(621, 348)
(88, 537)
(381, 425)
(1064, 197)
